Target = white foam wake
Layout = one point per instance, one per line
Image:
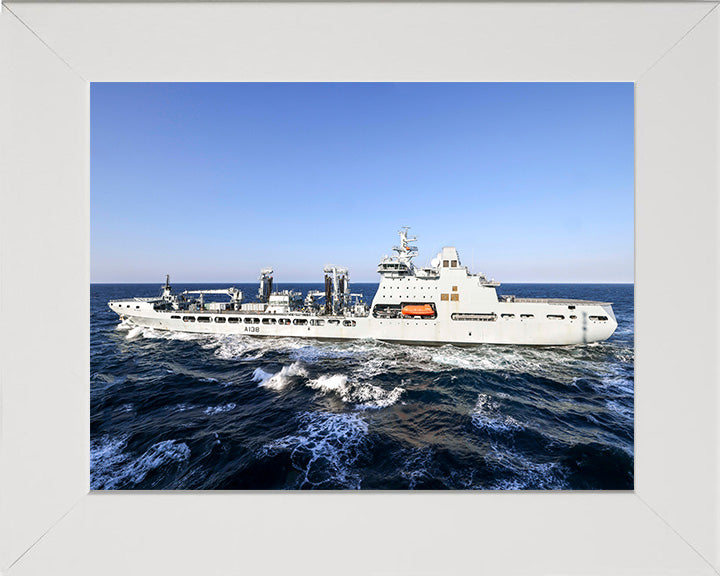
(241, 347)
(113, 468)
(210, 410)
(524, 473)
(487, 415)
(134, 332)
(325, 449)
(126, 324)
(153, 334)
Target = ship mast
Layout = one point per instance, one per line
(405, 252)
(167, 290)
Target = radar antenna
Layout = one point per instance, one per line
(405, 251)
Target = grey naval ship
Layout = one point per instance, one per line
(443, 303)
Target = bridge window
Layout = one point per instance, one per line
(600, 318)
(527, 316)
(508, 316)
(555, 317)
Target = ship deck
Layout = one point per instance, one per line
(560, 301)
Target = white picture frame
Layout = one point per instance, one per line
(49, 521)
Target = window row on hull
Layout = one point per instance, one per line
(491, 317)
(266, 321)
(421, 311)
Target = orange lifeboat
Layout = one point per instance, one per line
(418, 310)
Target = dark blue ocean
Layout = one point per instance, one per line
(182, 411)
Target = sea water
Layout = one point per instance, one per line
(188, 411)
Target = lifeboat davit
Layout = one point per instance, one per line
(418, 310)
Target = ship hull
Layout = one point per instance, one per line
(544, 325)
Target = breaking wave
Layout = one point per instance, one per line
(363, 394)
(279, 380)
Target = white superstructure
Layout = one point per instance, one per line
(442, 303)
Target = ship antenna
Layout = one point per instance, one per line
(405, 251)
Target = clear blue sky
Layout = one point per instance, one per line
(211, 182)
